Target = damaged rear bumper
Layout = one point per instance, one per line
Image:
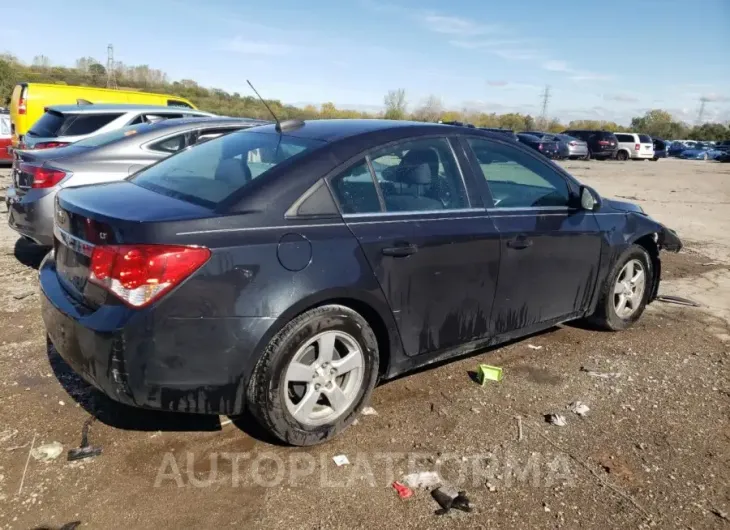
(149, 360)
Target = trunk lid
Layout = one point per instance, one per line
(108, 214)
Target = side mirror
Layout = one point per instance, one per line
(589, 199)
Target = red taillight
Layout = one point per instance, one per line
(43, 177)
(140, 274)
(604, 142)
(49, 145)
(572, 144)
(637, 147)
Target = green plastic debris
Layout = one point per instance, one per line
(488, 373)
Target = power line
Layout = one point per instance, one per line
(545, 100)
(111, 77)
(701, 113)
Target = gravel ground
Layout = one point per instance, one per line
(654, 449)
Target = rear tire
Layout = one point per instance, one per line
(299, 410)
(607, 315)
(588, 155)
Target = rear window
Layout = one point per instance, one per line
(47, 125)
(645, 139)
(210, 172)
(56, 124)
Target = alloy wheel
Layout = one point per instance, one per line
(628, 292)
(324, 378)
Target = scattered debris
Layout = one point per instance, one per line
(519, 428)
(713, 511)
(85, 450)
(486, 373)
(62, 403)
(424, 479)
(545, 507)
(24, 294)
(404, 492)
(579, 408)
(556, 419)
(73, 525)
(47, 452)
(601, 375)
(491, 487)
(369, 411)
(7, 434)
(450, 499)
(25, 469)
(677, 300)
(341, 460)
(533, 347)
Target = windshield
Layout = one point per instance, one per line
(210, 172)
(112, 136)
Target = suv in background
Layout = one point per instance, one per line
(635, 146)
(65, 124)
(601, 144)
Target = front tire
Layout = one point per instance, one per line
(626, 291)
(315, 376)
(622, 156)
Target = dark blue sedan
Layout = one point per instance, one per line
(285, 269)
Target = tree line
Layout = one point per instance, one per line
(87, 71)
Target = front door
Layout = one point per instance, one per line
(550, 250)
(436, 258)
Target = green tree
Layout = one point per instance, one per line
(395, 104)
(97, 73)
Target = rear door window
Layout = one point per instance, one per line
(419, 176)
(216, 169)
(173, 144)
(625, 138)
(645, 139)
(356, 191)
(78, 124)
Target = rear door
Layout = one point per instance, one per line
(647, 146)
(435, 254)
(549, 249)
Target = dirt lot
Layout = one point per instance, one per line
(654, 449)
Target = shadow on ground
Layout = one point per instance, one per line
(28, 253)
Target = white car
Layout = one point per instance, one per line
(633, 145)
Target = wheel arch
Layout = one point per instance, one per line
(649, 243)
(374, 310)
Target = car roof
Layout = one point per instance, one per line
(119, 107)
(331, 130)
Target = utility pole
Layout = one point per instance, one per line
(111, 77)
(545, 100)
(701, 113)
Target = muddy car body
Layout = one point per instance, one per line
(313, 259)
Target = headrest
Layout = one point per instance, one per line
(416, 174)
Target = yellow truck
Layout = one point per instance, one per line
(29, 101)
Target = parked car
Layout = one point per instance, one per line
(601, 144)
(29, 101)
(661, 148)
(634, 146)
(701, 151)
(568, 147)
(677, 148)
(355, 251)
(65, 124)
(547, 147)
(5, 138)
(39, 175)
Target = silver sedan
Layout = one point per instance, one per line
(576, 148)
(37, 176)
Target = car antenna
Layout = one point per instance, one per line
(288, 124)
